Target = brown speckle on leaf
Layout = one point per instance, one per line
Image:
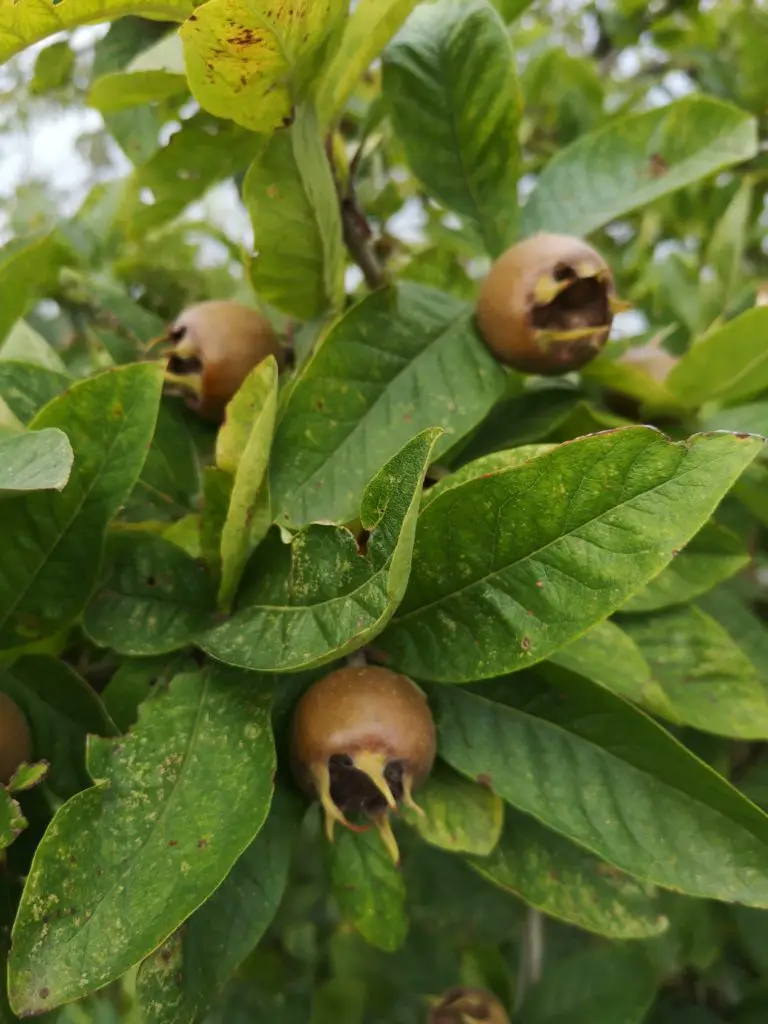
(178, 978)
(173, 842)
(485, 779)
(202, 843)
(525, 643)
(44, 993)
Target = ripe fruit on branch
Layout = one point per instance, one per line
(463, 1005)
(547, 305)
(216, 345)
(15, 738)
(362, 740)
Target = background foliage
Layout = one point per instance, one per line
(587, 619)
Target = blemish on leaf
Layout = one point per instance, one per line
(485, 779)
(173, 842)
(525, 643)
(44, 993)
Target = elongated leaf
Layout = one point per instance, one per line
(369, 888)
(604, 775)
(38, 461)
(563, 880)
(370, 27)
(709, 682)
(450, 84)
(29, 21)
(261, 52)
(319, 597)
(12, 820)
(123, 90)
(25, 262)
(458, 815)
(552, 547)
(154, 599)
(27, 387)
(62, 709)
(175, 804)
(293, 236)
(505, 459)
(177, 984)
(730, 363)
(254, 406)
(605, 985)
(402, 360)
(170, 479)
(742, 625)
(45, 582)
(713, 555)
(751, 418)
(635, 160)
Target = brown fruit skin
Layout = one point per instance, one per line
(508, 316)
(15, 738)
(464, 1005)
(229, 339)
(366, 708)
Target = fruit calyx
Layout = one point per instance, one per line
(466, 1005)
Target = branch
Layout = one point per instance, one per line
(355, 228)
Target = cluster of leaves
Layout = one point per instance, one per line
(572, 569)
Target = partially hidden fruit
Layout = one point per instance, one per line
(547, 305)
(652, 359)
(464, 1005)
(362, 740)
(15, 738)
(216, 345)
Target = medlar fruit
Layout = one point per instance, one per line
(216, 345)
(547, 305)
(463, 1005)
(15, 738)
(362, 740)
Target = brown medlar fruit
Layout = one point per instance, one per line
(216, 345)
(362, 740)
(464, 1005)
(15, 738)
(547, 305)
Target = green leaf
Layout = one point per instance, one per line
(178, 983)
(29, 21)
(636, 159)
(458, 815)
(37, 461)
(556, 876)
(319, 597)
(12, 820)
(599, 772)
(751, 418)
(730, 363)
(170, 479)
(27, 387)
(62, 709)
(25, 263)
(53, 68)
(24, 344)
(290, 196)
(252, 411)
(540, 553)
(400, 361)
(450, 84)
(27, 776)
(176, 802)
(153, 599)
(604, 985)
(505, 459)
(713, 555)
(45, 582)
(742, 625)
(709, 682)
(123, 90)
(369, 28)
(369, 888)
(250, 61)
(632, 379)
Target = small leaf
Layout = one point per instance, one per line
(38, 461)
(563, 880)
(400, 361)
(541, 552)
(123, 90)
(154, 598)
(730, 363)
(318, 597)
(175, 804)
(251, 412)
(45, 582)
(12, 820)
(247, 61)
(369, 888)
(27, 387)
(53, 68)
(449, 82)
(27, 776)
(712, 556)
(180, 980)
(459, 816)
(599, 772)
(636, 159)
(290, 196)
(25, 263)
(708, 681)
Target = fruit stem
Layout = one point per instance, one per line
(532, 956)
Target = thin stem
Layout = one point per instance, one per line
(355, 228)
(532, 956)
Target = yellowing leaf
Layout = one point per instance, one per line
(247, 61)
